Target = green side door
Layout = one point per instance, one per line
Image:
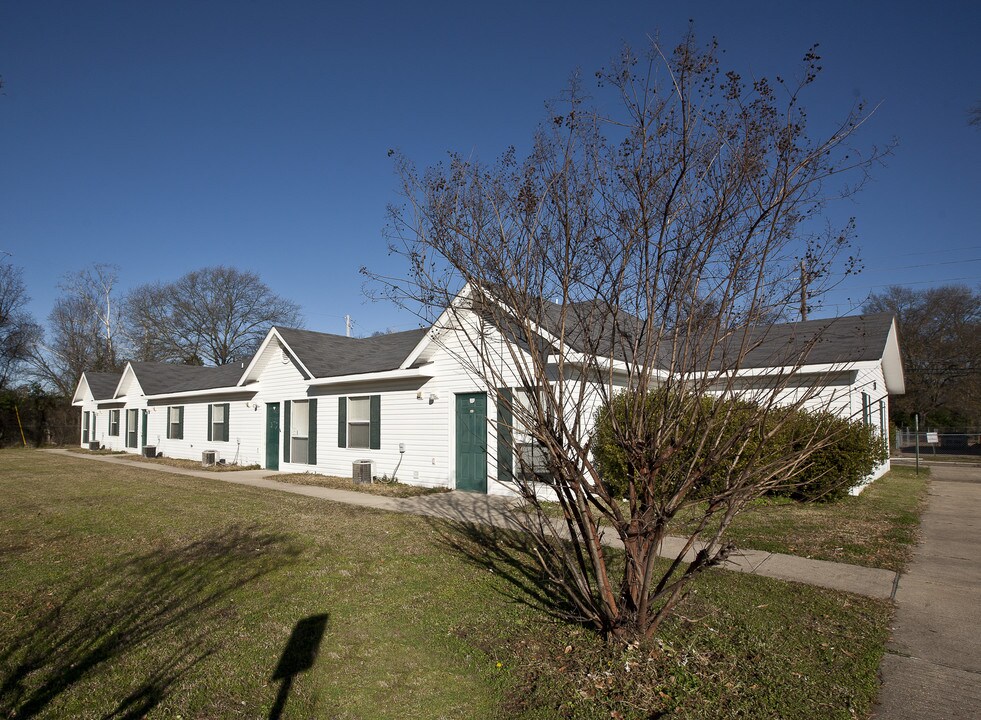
(471, 442)
(272, 436)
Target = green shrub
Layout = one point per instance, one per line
(853, 452)
(613, 459)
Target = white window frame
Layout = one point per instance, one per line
(218, 428)
(174, 422)
(132, 429)
(359, 423)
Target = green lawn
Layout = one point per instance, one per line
(127, 591)
(877, 528)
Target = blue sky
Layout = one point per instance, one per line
(167, 136)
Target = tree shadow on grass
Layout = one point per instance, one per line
(155, 611)
(507, 552)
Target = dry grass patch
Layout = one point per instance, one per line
(393, 489)
(172, 462)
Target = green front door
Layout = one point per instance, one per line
(143, 420)
(471, 442)
(272, 436)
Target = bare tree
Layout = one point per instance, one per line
(647, 250)
(83, 330)
(18, 331)
(941, 349)
(209, 316)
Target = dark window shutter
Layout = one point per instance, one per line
(180, 423)
(228, 421)
(505, 418)
(126, 435)
(374, 426)
(286, 430)
(169, 433)
(342, 422)
(209, 423)
(95, 419)
(312, 433)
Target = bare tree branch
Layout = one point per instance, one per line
(638, 256)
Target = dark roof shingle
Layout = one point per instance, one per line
(589, 327)
(102, 385)
(327, 355)
(158, 378)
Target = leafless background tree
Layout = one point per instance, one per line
(214, 315)
(941, 347)
(83, 331)
(647, 248)
(18, 331)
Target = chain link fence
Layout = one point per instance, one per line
(939, 441)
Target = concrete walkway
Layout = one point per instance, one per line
(932, 668)
(496, 511)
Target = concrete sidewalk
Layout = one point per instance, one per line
(497, 511)
(932, 668)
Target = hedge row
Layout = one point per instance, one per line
(848, 453)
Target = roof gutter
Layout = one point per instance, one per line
(384, 376)
(232, 390)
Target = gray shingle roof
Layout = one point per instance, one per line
(164, 378)
(327, 355)
(853, 338)
(102, 385)
(856, 338)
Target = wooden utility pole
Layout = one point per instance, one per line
(803, 291)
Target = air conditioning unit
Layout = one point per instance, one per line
(149, 451)
(209, 457)
(95, 445)
(361, 472)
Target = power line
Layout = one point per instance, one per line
(942, 252)
(923, 265)
(972, 278)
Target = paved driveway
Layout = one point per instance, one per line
(933, 665)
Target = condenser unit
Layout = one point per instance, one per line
(149, 451)
(95, 445)
(209, 457)
(361, 472)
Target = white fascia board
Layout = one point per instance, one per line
(443, 323)
(231, 390)
(77, 398)
(425, 342)
(128, 371)
(435, 329)
(816, 369)
(892, 363)
(273, 334)
(258, 353)
(400, 374)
